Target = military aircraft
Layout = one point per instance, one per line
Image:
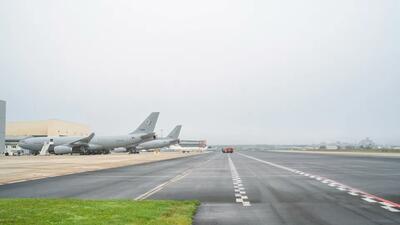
(93, 144)
(171, 139)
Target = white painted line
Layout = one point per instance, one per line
(237, 183)
(341, 189)
(369, 200)
(390, 209)
(172, 180)
(163, 185)
(353, 193)
(388, 205)
(246, 204)
(16, 181)
(239, 200)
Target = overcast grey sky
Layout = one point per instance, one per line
(233, 72)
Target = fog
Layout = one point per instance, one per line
(231, 72)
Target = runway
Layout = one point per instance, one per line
(247, 187)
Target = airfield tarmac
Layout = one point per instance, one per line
(247, 187)
(28, 167)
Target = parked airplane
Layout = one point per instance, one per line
(189, 146)
(93, 144)
(171, 139)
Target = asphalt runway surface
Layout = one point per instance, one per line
(247, 187)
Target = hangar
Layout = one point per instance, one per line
(46, 128)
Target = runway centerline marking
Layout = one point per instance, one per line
(385, 204)
(239, 190)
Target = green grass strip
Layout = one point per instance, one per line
(76, 211)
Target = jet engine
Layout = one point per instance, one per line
(59, 150)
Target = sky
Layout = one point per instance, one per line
(229, 71)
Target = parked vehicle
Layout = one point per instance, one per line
(227, 150)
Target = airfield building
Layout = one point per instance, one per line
(193, 143)
(46, 128)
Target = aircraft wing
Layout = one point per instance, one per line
(82, 141)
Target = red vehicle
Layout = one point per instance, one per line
(227, 150)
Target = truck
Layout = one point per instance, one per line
(227, 150)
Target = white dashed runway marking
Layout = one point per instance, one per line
(385, 204)
(240, 193)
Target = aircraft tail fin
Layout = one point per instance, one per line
(175, 132)
(148, 125)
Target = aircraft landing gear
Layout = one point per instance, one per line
(133, 151)
(83, 150)
(105, 152)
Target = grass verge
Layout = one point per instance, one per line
(75, 211)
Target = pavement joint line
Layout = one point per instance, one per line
(388, 205)
(170, 181)
(240, 194)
